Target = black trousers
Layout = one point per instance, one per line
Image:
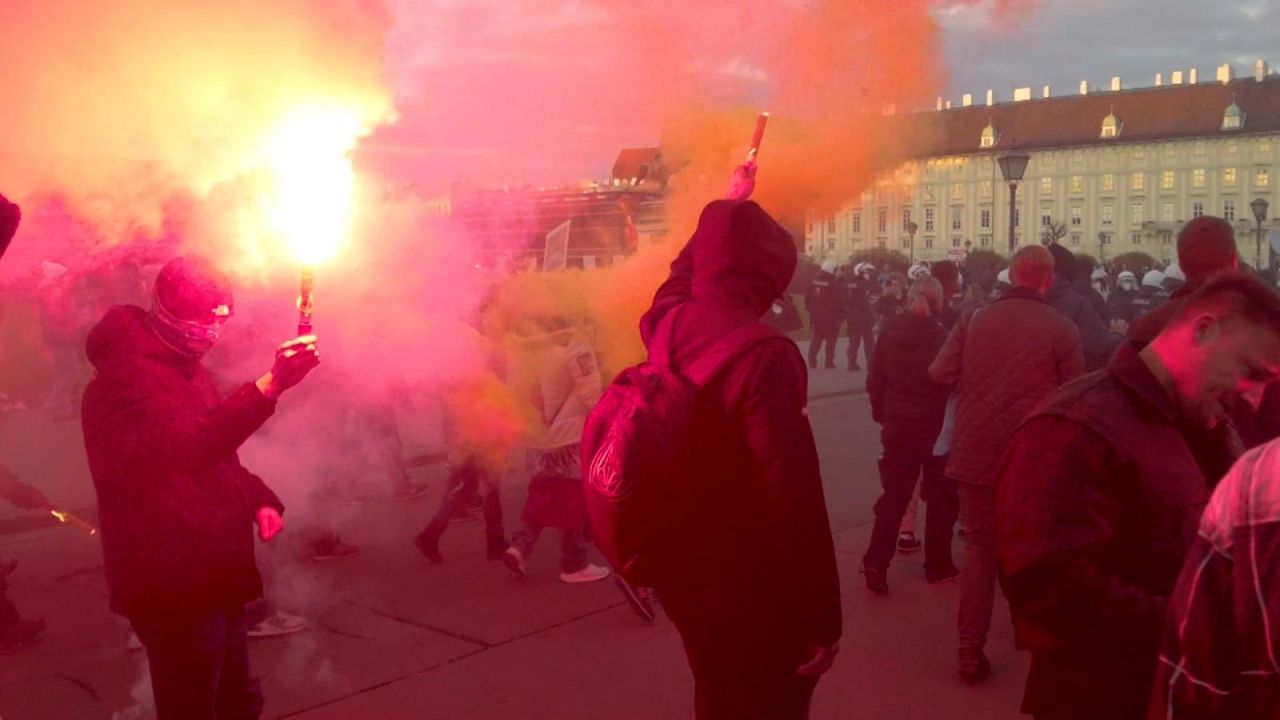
(743, 669)
(863, 335)
(200, 667)
(464, 483)
(827, 336)
(902, 465)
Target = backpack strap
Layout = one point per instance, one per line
(704, 369)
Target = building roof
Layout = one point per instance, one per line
(636, 163)
(1170, 112)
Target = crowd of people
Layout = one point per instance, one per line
(1075, 428)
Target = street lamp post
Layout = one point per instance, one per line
(911, 245)
(1259, 208)
(1013, 165)
(1102, 248)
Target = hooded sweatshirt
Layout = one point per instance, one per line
(176, 507)
(756, 548)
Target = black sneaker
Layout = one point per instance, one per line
(907, 542)
(937, 577)
(877, 580)
(429, 548)
(974, 666)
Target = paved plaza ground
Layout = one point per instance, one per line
(393, 637)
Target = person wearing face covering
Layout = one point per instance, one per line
(176, 507)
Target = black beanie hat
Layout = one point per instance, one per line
(1064, 263)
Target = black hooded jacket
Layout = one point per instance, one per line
(176, 506)
(904, 399)
(761, 558)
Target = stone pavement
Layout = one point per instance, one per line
(394, 637)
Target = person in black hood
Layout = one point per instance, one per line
(1095, 339)
(176, 507)
(909, 406)
(755, 592)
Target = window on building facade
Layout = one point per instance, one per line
(1199, 148)
(1139, 154)
(1166, 211)
(957, 192)
(985, 189)
(984, 221)
(1197, 209)
(1137, 238)
(1104, 239)
(810, 228)
(1167, 180)
(1137, 213)
(1077, 157)
(882, 220)
(1046, 217)
(1077, 215)
(906, 219)
(831, 245)
(1229, 177)
(905, 242)
(929, 219)
(1261, 178)
(985, 241)
(928, 193)
(1229, 210)
(1077, 184)
(857, 222)
(989, 137)
(1108, 183)
(928, 243)
(1046, 185)
(831, 226)
(955, 242)
(1232, 148)
(1166, 238)
(881, 245)
(957, 217)
(1075, 239)
(1108, 214)
(1197, 178)
(1264, 148)
(1111, 126)
(1138, 182)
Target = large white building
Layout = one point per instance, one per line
(1122, 170)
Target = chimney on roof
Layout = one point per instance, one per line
(1260, 70)
(1048, 92)
(1176, 78)
(948, 105)
(1193, 78)
(966, 100)
(1159, 79)
(1226, 74)
(1021, 94)
(991, 98)
(1116, 85)
(939, 105)
(1084, 87)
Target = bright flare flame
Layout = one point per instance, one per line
(309, 153)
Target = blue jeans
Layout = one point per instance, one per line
(200, 666)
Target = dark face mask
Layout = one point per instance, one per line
(188, 338)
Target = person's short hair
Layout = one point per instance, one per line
(1233, 295)
(1032, 267)
(1206, 246)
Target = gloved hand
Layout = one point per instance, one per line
(269, 523)
(294, 360)
(743, 182)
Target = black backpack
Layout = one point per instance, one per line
(632, 444)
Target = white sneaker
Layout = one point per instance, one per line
(588, 574)
(514, 560)
(279, 623)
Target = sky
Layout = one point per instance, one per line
(1065, 41)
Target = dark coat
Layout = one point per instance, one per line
(824, 303)
(1003, 359)
(1121, 304)
(1096, 340)
(757, 555)
(1147, 299)
(176, 506)
(1097, 504)
(904, 399)
(857, 303)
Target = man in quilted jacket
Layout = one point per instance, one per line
(1003, 361)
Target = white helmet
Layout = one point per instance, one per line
(917, 271)
(864, 267)
(1002, 278)
(1127, 276)
(1174, 272)
(829, 266)
(1153, 278)
(1099, 274)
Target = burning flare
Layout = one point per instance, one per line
(67, 518)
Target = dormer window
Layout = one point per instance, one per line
(1111, 126)
(1233, 118)
(989, 136)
